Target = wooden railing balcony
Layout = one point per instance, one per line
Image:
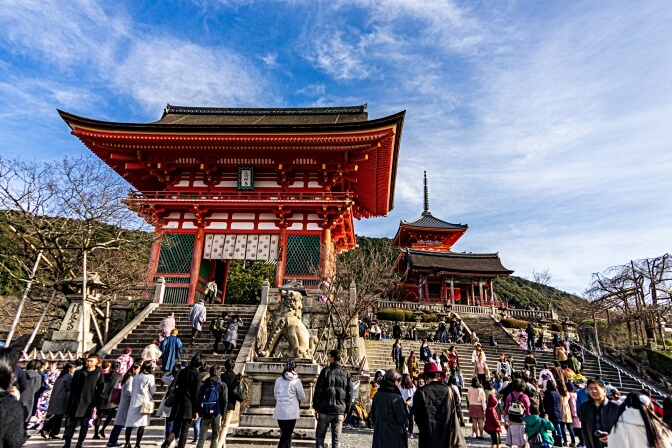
(246, 196)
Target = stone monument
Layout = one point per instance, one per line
(257, 426)
(69, 336)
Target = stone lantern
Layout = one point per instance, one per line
(570, 328)
(70, 335)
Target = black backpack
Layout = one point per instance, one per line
(217, 324)
(240, 391)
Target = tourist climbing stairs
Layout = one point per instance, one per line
(143, 334)
(378, 354)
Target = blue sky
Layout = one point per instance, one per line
(546, 126)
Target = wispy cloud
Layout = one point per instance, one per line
(94, 48)
(179, 72)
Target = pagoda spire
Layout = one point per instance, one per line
(426, 211)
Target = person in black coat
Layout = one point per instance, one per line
(396, 331)
(389, 414)
(33, 385)
(214, 419)
(331, 399)
(12, 432)
(597, 414)
(435, 410)
(185, 401)
(553, 408)
(229, 378)
(85, 391)
(107, 408)
(530, 336)
(58, 403)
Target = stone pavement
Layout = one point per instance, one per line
(352, 438)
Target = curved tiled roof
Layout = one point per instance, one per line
(456, 262)
(184, 115)
(427, 221)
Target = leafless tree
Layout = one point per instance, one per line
(65, 209)
(637, 294)
(369, 268)
(542, 277)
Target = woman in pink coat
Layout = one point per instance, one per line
(492, 424)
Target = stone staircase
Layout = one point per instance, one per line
(379, 356)
(147, 330)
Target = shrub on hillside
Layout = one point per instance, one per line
(409, 316)
(391, 314)
(556, 327)
(510, 322)
(660, 362)
(430, 317)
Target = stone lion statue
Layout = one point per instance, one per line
(286, 322)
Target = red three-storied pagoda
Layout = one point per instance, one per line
(221, 184)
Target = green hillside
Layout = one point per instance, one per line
(522, 293)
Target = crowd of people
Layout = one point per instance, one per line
(534, 405)
(453, 332)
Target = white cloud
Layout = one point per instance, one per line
(270, 59)
(160, 71)
(339, 58)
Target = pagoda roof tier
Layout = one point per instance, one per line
(447, 263)
(360, 155)
(427, 221)
(428, 231)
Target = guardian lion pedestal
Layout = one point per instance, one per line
(257, 425)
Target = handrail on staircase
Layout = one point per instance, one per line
(620, 371)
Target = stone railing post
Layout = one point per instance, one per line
(159, 290)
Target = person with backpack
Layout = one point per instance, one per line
(213, 398)
(538, 429)
(516, 407)
(553, 408)
(218, 327)
(231, 380)
(288, 392)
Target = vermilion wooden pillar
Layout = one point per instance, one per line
(196, 257)
(154, 258)
(326, 263)
(282, 256)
